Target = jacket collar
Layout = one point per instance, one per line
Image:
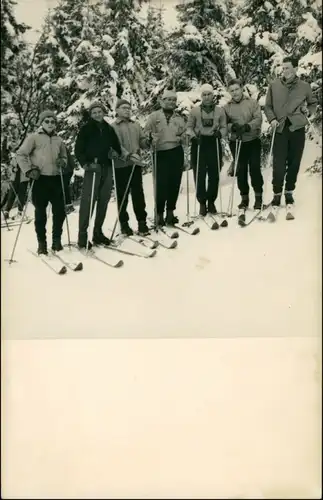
(43, 132)
(119, 120)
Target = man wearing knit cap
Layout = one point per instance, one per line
(132, 139)
(165, 127)
(206, 127)
(42, 157)
(96, 144)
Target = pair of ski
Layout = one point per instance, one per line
(15, 222)
(57, 263)
(212, 222)
(271, 217)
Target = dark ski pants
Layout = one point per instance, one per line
(170, 165)
(101, 198)
(48, 189)
(287, 155)
(207, 168)
(17, 189)
(66, 181)
(123, 175)
(249, 161)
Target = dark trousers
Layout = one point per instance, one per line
(170, 165)
(287, 155)
(207, 168)
(102, 194)
(137, 193)
(48, 189)
(17, 189)
(66, 181)
(249, 161)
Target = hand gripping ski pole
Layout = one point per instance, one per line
(11, 260)
(119, 207)
(66, 216)
(236, 161)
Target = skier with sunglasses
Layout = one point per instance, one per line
(42, 157)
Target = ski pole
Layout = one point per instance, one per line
(66, 217)
(197, 173)
(119, 207)
(314, 132)
(91, 203)
(5, 220)
(237, 153)
(11, 260)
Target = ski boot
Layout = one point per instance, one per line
(143, 228)
(83, 243)
(211, 208)
(69, 209)
(57, 245)
(100, 239)
(289, 199)
(160, 220)
(276, 200)
(203, 210)
(6, 215)
(126, 229)
(258, 202)
(171, 219)
(244, 204)
(42, 248)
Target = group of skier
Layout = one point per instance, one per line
(110, 155)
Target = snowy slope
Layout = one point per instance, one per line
(259, 281)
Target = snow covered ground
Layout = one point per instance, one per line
(231, 413)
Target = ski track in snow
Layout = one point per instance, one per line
(234, 282)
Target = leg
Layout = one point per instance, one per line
(104, 195)
(161, 181)
(40, 199)
(22, 195)
(295, 152)
(13, 192)
(122, 179)
(138, 196)
(201, 180)
(280, 152)
(257, 181)
(213, 171)
(242, 172)
(175, 171)
(84, 215)
(58, 206)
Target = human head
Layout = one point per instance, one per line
(96, 111)
(47, 120)
(235, 89)
(289, 68)
(123, 108)
(169, 100)
(207, 94)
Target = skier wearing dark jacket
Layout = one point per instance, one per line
(244, 124)
(42, 157)
(287, 112)
(96, 144)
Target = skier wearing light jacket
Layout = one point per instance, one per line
(166, 127)
(206, 126)
(287, 112)
(41, 157)
(132, 139)
(244, 124)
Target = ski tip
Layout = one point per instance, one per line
(195, 231)
(175, 235)
(63, 270)
(152, 254)
(224, 223)
(79, 267)
(119, 263)
(174, 244)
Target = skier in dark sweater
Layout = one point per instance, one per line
(42, 157)
(207, 125)
(244, 123)
(96, 145)
(287, 112)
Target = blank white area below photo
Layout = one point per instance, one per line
(237, 416)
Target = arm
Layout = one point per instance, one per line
(191, 122)
(228, 120)
(223, 124)
(115, 142)
(63, 154)
(24, 152)
(143, 139)
(256, 121)
(79, 149)
(268, 109)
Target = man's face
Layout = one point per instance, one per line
(288, 71)
(124, 111)
(169, 103)
(49, 125)
(97, 114)
(236, 92)
(207, 97)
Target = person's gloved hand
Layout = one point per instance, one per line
(246, 127)
(61, 163)
(304, 110)
(235, 127)
(136, 160)
(92, 167)
(113, 155)
(217, 134)
(33, 174)
(274, 123)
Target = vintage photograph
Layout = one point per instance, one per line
(161, 180)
